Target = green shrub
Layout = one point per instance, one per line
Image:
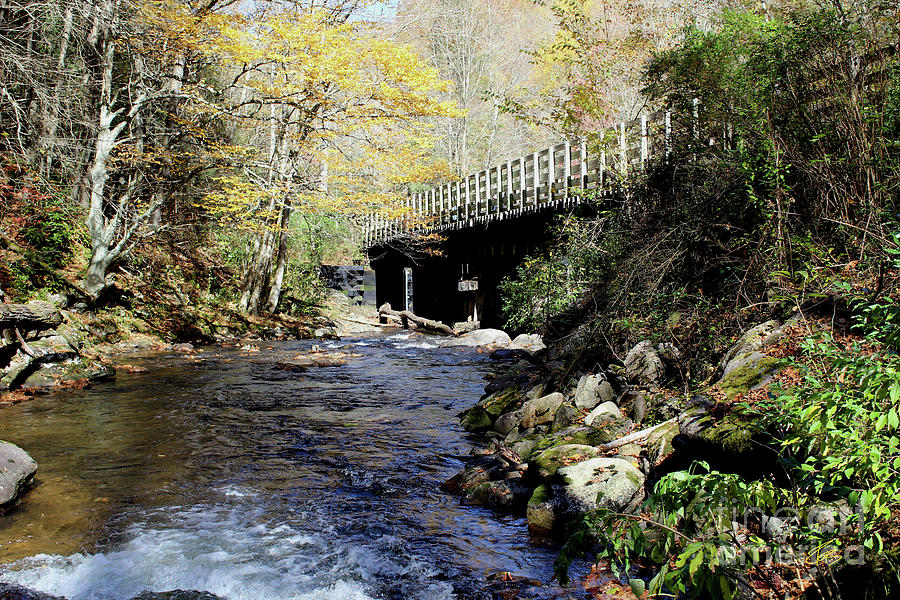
(836, 430)
(549, 284)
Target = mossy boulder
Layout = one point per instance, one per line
(659, 443)
(73, 336)
(566, 416)
(602, 483)
(630, 452)
(751, 341)
(507, 422)
(502, 401)
(549, 461)
(478, 471)
(604, 413)
(585, 436)
(476, 419)
(695, 420)
(510, 495)
(524, 448)
(75, 369)
(541, 411)
(745, 373)
(733, 434)
(541, 511)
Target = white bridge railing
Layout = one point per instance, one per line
(550, 179)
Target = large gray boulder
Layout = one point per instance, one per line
(480, 337)
(745, 372)
(606, 412)
(566, 416)
(593, 390)
(753, 340)
(643, 365)
(504, 494)
(508, 421)
(541, 410)
(542, 510)
(551, 460)
(17, 469)
(528, 341)
(611, 483)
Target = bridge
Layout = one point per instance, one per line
(490, 220)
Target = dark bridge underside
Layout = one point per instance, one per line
(486, 252)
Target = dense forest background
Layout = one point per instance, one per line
(160, 152)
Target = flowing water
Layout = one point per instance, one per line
(232, 472)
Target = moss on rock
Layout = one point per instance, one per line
(502, 402)
(745, 373)
(541, 494)
(476, 419)
(549, 461)
(541, 512)
(659, 443)
(733, 434)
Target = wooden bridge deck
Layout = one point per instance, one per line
(556, 178)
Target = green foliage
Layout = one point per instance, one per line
(839, 430)
(543, 287)
(690, 536)
(49, 227)
(315, 240)
(879, 319)
(836, 431)
(891, 125)
(548, 284)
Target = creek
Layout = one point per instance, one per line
(232, 472)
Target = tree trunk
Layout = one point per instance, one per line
(281, 261)
(104, 141)
(48, 143)
(111, 228)
(95, 277)
(406, 317)
(256, 280)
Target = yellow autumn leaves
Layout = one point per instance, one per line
(303, 93)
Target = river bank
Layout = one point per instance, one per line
(647, 476)
(54, 343)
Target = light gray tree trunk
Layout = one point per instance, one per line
(111, 234)
(280, 261)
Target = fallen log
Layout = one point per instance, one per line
(363, 322)
(406, 317)
(34, 316)
(633, 437)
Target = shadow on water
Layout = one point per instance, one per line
(235, 473)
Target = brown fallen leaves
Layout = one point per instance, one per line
(602, 585)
